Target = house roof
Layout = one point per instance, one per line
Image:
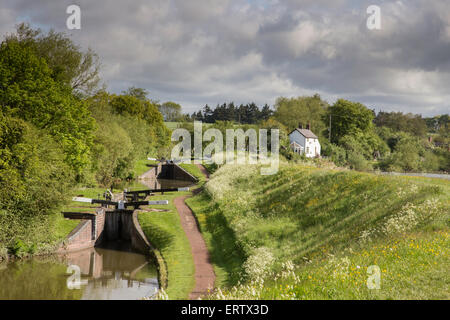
(306, 133)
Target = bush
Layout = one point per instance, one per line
(33, 182)
(336, 153)
(357, 162)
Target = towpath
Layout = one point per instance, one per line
(204, 271)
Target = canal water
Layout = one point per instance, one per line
(113, 271)
(91, 274)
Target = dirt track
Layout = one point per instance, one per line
(204, 271)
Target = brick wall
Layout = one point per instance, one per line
(108, 225)
(79, 238)
(100, 224)
(152, 173)
(87, 233)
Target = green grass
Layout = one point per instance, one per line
(164, 231)
(141, 167)
(172, 125)
(308, 214)
(195, 171)
(411, 267)
(62, 227)
(211, 167)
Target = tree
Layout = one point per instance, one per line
(367, 144)
(406, 157)
(413, 124)
(244, 114)
(131, 105)
(304, 110)
(348, 118)
(67, 62)
(207, 114)
(270, 124)
(112, 144)
(171, 111)
(266, 112)
(139, 93)
(29, 91)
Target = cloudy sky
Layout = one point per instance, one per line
(209, 51)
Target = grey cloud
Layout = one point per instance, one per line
(202, 51)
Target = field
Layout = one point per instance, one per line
(310, 233)
(172, 125)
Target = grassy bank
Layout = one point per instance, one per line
(195, 171)
(141, 167)
(164, 231)
(301, 223)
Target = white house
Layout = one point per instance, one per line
(305, 141)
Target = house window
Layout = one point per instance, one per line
(307, 149)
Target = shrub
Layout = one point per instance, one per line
(33, 182)
(357, 162)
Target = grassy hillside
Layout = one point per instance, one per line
(315, 232)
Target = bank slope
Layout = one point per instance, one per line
(297, 227)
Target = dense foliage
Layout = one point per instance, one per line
(351, 134)
(242, 114)
(55, 133)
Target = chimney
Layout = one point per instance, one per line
(300, 126)
(308, 126)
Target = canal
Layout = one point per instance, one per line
(111, 271)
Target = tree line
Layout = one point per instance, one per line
(59, 130)
(351, 134)
(354, 135)
(248, 113)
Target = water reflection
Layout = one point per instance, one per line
(37, 278)
(105, 273)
